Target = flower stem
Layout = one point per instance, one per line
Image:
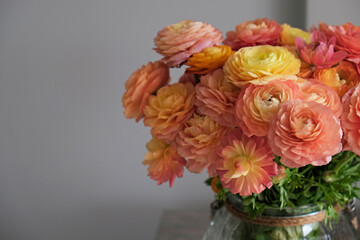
(349, 156)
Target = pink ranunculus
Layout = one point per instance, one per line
(350, 119)
(140, 85)
(197, 142)
(165, 164)
(347, 39)
(215, 97)
(317, 91)
(245, 164)
(257, 104)
(319, 53)
(305, 133)
(177, 42)
(252, 33)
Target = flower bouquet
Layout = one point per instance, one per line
(272, 112)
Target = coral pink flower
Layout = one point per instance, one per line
(177, 42)
(165, 164)
(198, 140)
(305, 133)
(350, 119)
(215, 97)
(245, 164)
(347, 39)
(317, 91)
(252, 33)
(166, 112)
(257, 104)
(140, 85)
(319, 53)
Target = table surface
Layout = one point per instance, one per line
(191, 225)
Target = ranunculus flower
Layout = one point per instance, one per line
(252, 33)
(169, 109)
(347, 39)
(177, 42)
(165, 164)
(140, 85)
(245, 164)
(305, 133)
(188, 77)
(319, 53)
(257, 104)
(317, 91)
(341, 78)
(350, 119)
(260, 64)
(208, 59)
(288, 35)
(215, 97)
(197, 142)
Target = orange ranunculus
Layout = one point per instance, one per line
(169, 109)
(317, 91)
(140, 85)
(347, 39)
(215, 97)
(350, 119)
(245, 164)
(208, 59)
(177, 42)
(303, 133)
(252, 33)
(341, 78)
(257, 104)
(197, 142)
(260, 64)
(165, 164)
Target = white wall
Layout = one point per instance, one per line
(70, 163)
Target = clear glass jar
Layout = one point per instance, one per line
(228, 224)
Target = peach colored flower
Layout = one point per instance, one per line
(305, 133)
(208, 59)
(215, 97)
(347, 39)
(257, 104)
(317, 91)
(165, 164)
(177, 42)
(245, 164)
(252, 33)
(350, 119)
(260, 65)
(288, 35)
(281, 174)
(197, 142)
(341, 78)
(140, 85)
(166, 112)
(319, 53)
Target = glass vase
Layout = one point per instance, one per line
(306, 222)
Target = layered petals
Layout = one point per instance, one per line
(177, 42)
(215, 97)
(197, 142)
(252, 33)
(245, 164)
(305, 133)
(165, 164)
(289, 34)
(260, 65)
(140, 85)
(257, 104)
(166, 112)
(350, 119)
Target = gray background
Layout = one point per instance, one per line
(70, 163)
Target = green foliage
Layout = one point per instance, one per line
(334, 183)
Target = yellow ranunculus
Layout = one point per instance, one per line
(260, 64)
(289, 34)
